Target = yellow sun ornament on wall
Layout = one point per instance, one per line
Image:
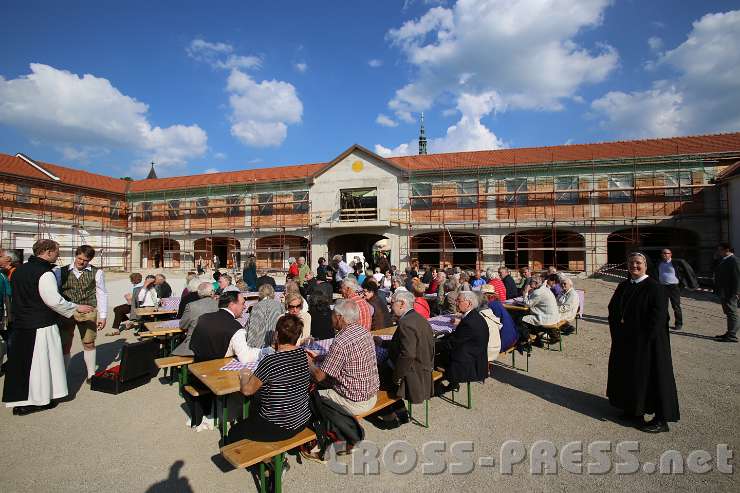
(357, 166)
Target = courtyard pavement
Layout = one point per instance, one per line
(138, 441)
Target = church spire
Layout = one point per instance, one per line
(152, 173)
(422, 137)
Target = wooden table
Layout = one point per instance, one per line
(164, 332)
(151, 311)
(220, 383)
(516, 308)
(388, 331)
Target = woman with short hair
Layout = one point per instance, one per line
(381, 315)
(281, 381)
(294, 305)
(321, 324)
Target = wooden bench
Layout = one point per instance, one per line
(172, 362)
(555, 328)
(246, 453)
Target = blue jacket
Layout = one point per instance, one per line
(508, 332)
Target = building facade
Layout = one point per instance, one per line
(579, 207)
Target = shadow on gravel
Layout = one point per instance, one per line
(581, 402)
(174, 483)
(597, 319)
(690, 334)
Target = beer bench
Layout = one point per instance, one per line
(173, 362)
(246, 453)
(555, 328)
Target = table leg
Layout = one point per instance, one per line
(263, 482)
(279, 473)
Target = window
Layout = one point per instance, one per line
(201, 207)
(358, 204)
(114, 211)
(678, 179)
(146, 209)
(514, 187)
(299, 206)
(566, 183)
(232, 205)
(79, 205)
(620, 181)
(23, 195)
(264, 204)
(423, 191)
(173, 209)
(468, 193)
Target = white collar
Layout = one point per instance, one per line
(72, 267)
(232, 313)
(728, 256)
(639, 279)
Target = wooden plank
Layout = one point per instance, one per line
(219, 382)
(171, 361)
(516, 308)
(245, 453)
(388, 331)
(149, 311)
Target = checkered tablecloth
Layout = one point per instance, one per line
(171, 303)
(237, 365)
(442, 324)
(169, 324)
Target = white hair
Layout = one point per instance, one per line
(193, 285)
(567, 282)
(11, 255)
(471, 296)
(205, 289)
(348, 310)
(351, 283)
(405, 296)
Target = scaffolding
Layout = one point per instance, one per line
(552, 213)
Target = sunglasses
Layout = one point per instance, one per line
(295, 306)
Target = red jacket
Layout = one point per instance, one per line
(422, 307)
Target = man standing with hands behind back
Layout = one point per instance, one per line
(35, 373)
(83, 283)
(674, 274)
(727, 287)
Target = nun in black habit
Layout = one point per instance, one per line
(641, 377)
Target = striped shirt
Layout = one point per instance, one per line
(284, 393)
(352, 363)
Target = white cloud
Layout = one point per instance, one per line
(261, 111)
(88, 114)
(210, 171)
(220, 55)
(703, 97)
(524, 50)
(655, 43)
(375, 63)
(468, 134)
(219, 155)
(385, 121)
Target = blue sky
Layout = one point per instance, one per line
(109, 86)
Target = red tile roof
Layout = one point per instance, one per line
(14, 165)
(258, 175)
(703, 144)
(575, 152)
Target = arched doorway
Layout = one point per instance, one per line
(159, 252)
(541, 248)
(651, 240)
(273, 252)
(226, 248)
(439, 248)
(366, 244)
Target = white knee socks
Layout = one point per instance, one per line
(89, 361)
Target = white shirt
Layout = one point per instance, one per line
(49, 292)
(639, 279)
(378, 277)
(238, 346)
(148, 297)
(101, 295)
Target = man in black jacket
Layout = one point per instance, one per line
(466, 358)
(673, 274)
(727, 287)
(511, 290)
(265, 279)
(162, 286)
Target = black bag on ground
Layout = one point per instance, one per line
(136, 369)
(332, 424)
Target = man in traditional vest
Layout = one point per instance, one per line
(82, 283)
(35, 374)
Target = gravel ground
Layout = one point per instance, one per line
(138, 441)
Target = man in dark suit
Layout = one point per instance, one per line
(407, 373)
(164, 290)
(727, 287)
(265, 279)
(511, 290)
(218, 335)
(463, 352)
